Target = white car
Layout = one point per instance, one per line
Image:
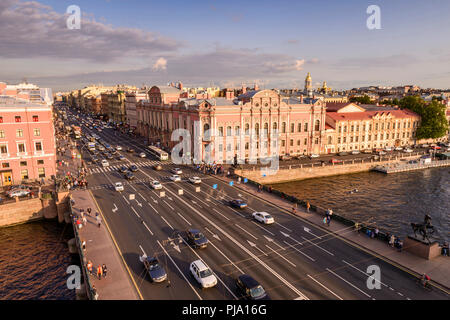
(176, 171)
(118, 148)
(408, 150)
(156, 185)
(175, 178)
(355, 152)
(398, 149)
(314, 155)
(118, 186)
(195, 180)
(388, 149)
(203, 274)
(263, 217)
(105, 163)
(142, 155)
(18, 193)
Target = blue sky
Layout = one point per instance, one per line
(274, 43)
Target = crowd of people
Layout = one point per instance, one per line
(213, 168)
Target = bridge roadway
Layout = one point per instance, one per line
(292, 258)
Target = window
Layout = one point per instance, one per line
(41, 172)
(40, 162)
(37, 132)
(299, 128)
(305, 128)
(220, 148)
(370, 127)
(291, 143)
(283, 127)
(340, 129)
(247, 129)
(24, 174)
(404, 125)
(339, 140)
(220, 131)
(353, 129)
(205, 130)
(345, 139)
(23, 163)
(38, 146)
(317, 141)
(35, 119)
(5, 165)
(393, 125)
(292, 127)
(317, 127)
(3, 149)
(266, 129)
(1, 119)
(356, 139)
(21, 147)
(2, 133)
(229, 147)
(382, 126)
(388, 125)
(298, 142)
(306, 141)
(19, 133)
(363, 138)
(246, 146)
(357, 127)
(351, 139)
(329, 140)
(237, 131)
(345, 128)
(376, 126)
(257, 129)
(18, 119)
(275, 126)
(228, 131)
(283, 143)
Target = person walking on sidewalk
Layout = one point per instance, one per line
(104, 270)
(99, 272)
(89, 210)
(89, 266)
(392, 240)
(307, 206)
(99, 221)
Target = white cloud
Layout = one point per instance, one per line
(299, 64)
(160, 64)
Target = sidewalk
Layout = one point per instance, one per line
(100, 249)
(436, 268)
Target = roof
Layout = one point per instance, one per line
(248, 281)
(335, 106)
(212, 101)
(168, 89)
(248, 94)
(366, 115)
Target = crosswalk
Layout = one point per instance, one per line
(116, 167)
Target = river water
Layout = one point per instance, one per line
(33, 261)
(389, 201)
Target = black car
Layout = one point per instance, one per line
(250, 289)
(130, 150)
(154, 269)
(128, 176)
(133, 168)
(123, 169)
(196, 238)
(238, 203)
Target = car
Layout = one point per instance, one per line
(155, 271)
(355, 152)
(123, 169)
(388, 149)
(300, 156)
(121, 158)
(398, 148)
(407, 150)
(133, 168)
(425, 145)
(195, 180)
(313, 155)
(94, 159)
(118, 148)
(109, 156)
(105, 163)
(367, 151)
(142, 155)
(285, 157)
(196, 238)
(176, 171)
(18, 193)
(112, 151)
(118, 186)
(203, 274)
(238, 203)
(263, 217)
(129, 176)
(381, 153)
(343, 154)
(156, 185)
(435, 148)
(334, 160)
(101, 148)
(250, 289)
(130, 150)
(175, 178)
(157, 167)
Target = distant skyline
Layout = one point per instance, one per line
(225, 43)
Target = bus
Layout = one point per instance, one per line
(158, 153)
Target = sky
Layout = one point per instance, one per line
(225, 43)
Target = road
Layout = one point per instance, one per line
(291, 258)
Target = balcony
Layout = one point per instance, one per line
(22, 154)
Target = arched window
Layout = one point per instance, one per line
(292, 127)
(247, 129)
(205, 128)
(266, 129)
(317, 127)
(329, 140)
(228, 131)
(257, 129)
(299, 128)
(275, 126)
(283, 127)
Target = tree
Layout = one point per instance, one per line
(434, 123)
(364, 100)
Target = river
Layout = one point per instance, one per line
(389, 201)
(33, 261)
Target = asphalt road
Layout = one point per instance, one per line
(292, 258)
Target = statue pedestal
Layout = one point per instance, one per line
(422, 248)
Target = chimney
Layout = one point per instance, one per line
(229, 94)
(244, 88)
(301, 98)
(180, 85)
(208, 96)
(256, 87)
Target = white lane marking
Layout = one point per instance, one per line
(309, 231)
(273, 241)
(349, 283)
(283, 226)
(176, 266)
(167, 222)
(142, 196)
(246, 231)
(263, 228)
(364, 273)
(142, 250)
(276, 252)
(168, 205)
(223, 283)
(227, 258)
(135, 212)
(145, 225)
(400, 294)
(184, 219)
(253, 245)
(214, 235)
(325, 287)
(221, 214)
(152, 207)
(289, 236)
(290, 245)
(115, 208)
(319, 246)
(125, 199)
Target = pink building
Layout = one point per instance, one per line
(256, 124)
(27, 141)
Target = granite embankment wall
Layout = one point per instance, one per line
(27, 211)
(317, 171)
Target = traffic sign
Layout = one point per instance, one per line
(245, 180)
(231, 183)
(214, 186)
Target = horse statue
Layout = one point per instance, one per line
(423, 228)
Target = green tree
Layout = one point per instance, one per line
(434, 123)
(364, 100)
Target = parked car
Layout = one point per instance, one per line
(195, 180)
(155, 271)
(203, 274)
(156, 185)
(18, 193)
(118, 148)
(435, 148)
(343, 154)
(334, 160)
(196, 238)
(408, 150)
(238, 203)
(313, 155)
(263, 217)
(123, 169)
(388, 149)
(355, 152)
(367, 151)
(176, 171)
(130, 150)
(398, 149)
(121, 158)
(118, 186)
(175, 178)
(285, 157)
(250, 289)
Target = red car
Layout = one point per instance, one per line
(435, 147)
(332, 160)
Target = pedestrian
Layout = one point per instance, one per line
(99, 222)
(89, 211)
(400, 245)
(445, 249)
(307, 206)
(99, 272)
(376, 232)
(83, 245)
(84, 221)
(104, 270)
(328, 220)
(89, 266)
(79, 225)
(392, 240)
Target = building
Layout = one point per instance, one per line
(131, 99)
(116, 107)
(360, 127)
(256, 124)
(27, 91)
(27, 141)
